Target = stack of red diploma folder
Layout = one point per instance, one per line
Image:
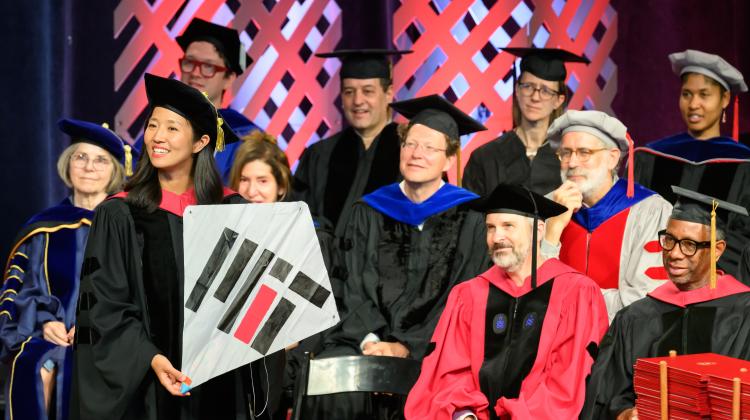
(699, 386)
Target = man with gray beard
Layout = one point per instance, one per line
(610, 229)
(518, 340)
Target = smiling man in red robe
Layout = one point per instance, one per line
(517, 341)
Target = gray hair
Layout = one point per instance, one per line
(63, 169)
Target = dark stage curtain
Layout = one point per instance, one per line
(57, 62)
(33, 71)
(648, 31)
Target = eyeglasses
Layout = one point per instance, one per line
(81, 160)
(688, 246)
(428, 150)
(207, 69)
(583, 154)
(527, 89)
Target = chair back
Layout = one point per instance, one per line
(333, 375)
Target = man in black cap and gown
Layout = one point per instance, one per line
(699, 310)
(518, 340)
(407, 245)
(523, 155)
(214, 58)
(337, 171)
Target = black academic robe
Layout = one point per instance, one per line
(718, 167)
(397, 282)
(129, 310)
(504, 160)
(399, 276)
(335, 172)
(667, 319)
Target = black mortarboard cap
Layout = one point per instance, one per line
(546, 63)
(692, 206)
(436, 112)
(516, 199)
(226, 41)
(192, 105)
(364, 63)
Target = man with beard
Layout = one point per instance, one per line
(517, 341)
(608, 232)
(335, 172)
(699, 311)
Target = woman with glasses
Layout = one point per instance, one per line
(39, 295)
(130, 313)
(522, 155)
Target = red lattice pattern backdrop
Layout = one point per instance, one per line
(285, 89)
(456, 54)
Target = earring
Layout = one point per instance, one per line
(724, 115)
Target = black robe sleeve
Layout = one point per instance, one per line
(610, 390)
(358, 312)
(114, 351)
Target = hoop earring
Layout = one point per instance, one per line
(724, 115)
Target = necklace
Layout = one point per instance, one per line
(530, 152)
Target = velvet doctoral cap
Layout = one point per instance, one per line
(191, 104)
(711, 65)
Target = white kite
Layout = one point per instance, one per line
(255, 283)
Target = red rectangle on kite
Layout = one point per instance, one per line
(255, 314)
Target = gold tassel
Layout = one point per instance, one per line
(714, 205)
(105, 125)
(219, 134)
(128, 160)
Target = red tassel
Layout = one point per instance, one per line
(736, 120)
(631, 188)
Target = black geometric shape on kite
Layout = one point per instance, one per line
(230, 316)
(273, 325)
(309, 289)
(215, 261)
(247, 249)
(280, 269)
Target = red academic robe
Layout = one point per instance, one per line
(572, 324)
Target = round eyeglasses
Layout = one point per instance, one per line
(583, 154)
(688, 247)
(527, 89)
(81, 160)
(428, 150)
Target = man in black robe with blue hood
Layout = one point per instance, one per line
(406, 245)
